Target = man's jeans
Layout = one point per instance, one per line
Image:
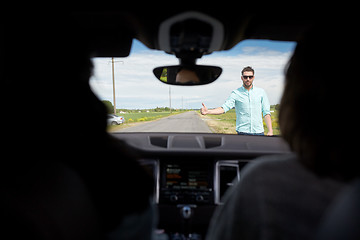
(250, 134)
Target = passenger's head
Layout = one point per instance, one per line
(318, 107)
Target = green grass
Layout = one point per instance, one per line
(226, 123)
(274, 123)
(144, 116)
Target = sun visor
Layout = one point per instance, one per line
(111, 44)
(107, 35)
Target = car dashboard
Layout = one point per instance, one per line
(192, 172)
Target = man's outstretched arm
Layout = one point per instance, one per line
(215, 111)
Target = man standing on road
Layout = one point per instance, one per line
(251, 104)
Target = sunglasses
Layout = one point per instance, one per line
(248, 77)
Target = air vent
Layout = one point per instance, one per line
(185, 141)
(159, 141)
(151, 166)
(226, 173)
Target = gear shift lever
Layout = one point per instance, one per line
(186, 212)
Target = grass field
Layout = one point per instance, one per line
(226, 123)
(144, 116)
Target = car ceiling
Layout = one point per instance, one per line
(112, 31)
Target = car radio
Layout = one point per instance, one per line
(186, 183)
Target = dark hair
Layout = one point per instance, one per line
(59, 87)
(315, 113)
(248, 69)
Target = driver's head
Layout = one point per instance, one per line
(187, 76)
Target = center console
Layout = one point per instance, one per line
(187, 192)
(186, 183)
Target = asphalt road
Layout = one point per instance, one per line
(184, 122)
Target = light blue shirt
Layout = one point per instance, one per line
(250, 107)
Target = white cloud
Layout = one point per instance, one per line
(136, 86)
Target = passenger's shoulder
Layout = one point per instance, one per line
(261, 174)
(262, 169)
(282, 170)
(272, 162)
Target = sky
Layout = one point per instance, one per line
(137, 88)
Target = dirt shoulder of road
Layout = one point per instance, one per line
(226, 123)
(219, 125)
(122, 126)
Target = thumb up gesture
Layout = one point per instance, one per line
(204, 110)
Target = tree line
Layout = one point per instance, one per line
(110, 108)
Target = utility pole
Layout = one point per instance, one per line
(113, 80)
(170, 98)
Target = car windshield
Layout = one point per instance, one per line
(148, 105)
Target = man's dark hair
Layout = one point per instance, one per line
(248, 69)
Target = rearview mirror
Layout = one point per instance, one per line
(187, 75)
